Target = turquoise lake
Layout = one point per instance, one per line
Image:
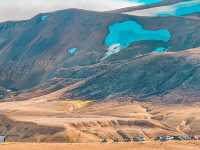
(160, 49)
(126, 33)
(182, 9)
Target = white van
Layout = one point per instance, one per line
(2, 138)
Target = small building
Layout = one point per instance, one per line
(2, 139)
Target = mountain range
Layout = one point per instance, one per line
(104, 55)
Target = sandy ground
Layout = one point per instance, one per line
(86, 121)
(97, 120)
(96, 146)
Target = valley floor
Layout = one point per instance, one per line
(49, 119)
(191, 145)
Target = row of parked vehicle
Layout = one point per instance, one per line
(158, 138)
(136, 139)
(141, 138)
(177, 137)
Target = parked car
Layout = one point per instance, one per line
(185, 137)
(116, 140)
(2, 139)
(196, 137)
(138, 138)
(127, 139)
(104, 140)
(178, 137)
(164, 138)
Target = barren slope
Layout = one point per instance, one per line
(40, 59)
(89, 121)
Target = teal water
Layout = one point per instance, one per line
(72, 51)
(128, 32)
(182, 9)
(145, 2)
(160, 49)
(44, 17)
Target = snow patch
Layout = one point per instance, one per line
(178, 9)
(145, 2)
(113, 49)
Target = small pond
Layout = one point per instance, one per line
(72, 51)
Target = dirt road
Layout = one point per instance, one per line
(96, 146)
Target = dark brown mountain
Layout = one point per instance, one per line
(34, 55)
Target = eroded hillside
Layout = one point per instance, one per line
(53, 50)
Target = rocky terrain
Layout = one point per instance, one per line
(50, 119)
(24, 131)
(36, 52)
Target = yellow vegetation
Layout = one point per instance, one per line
(80, 103)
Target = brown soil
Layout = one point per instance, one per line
(97, 146)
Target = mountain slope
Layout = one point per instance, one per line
(175, 72)
(53, 50)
